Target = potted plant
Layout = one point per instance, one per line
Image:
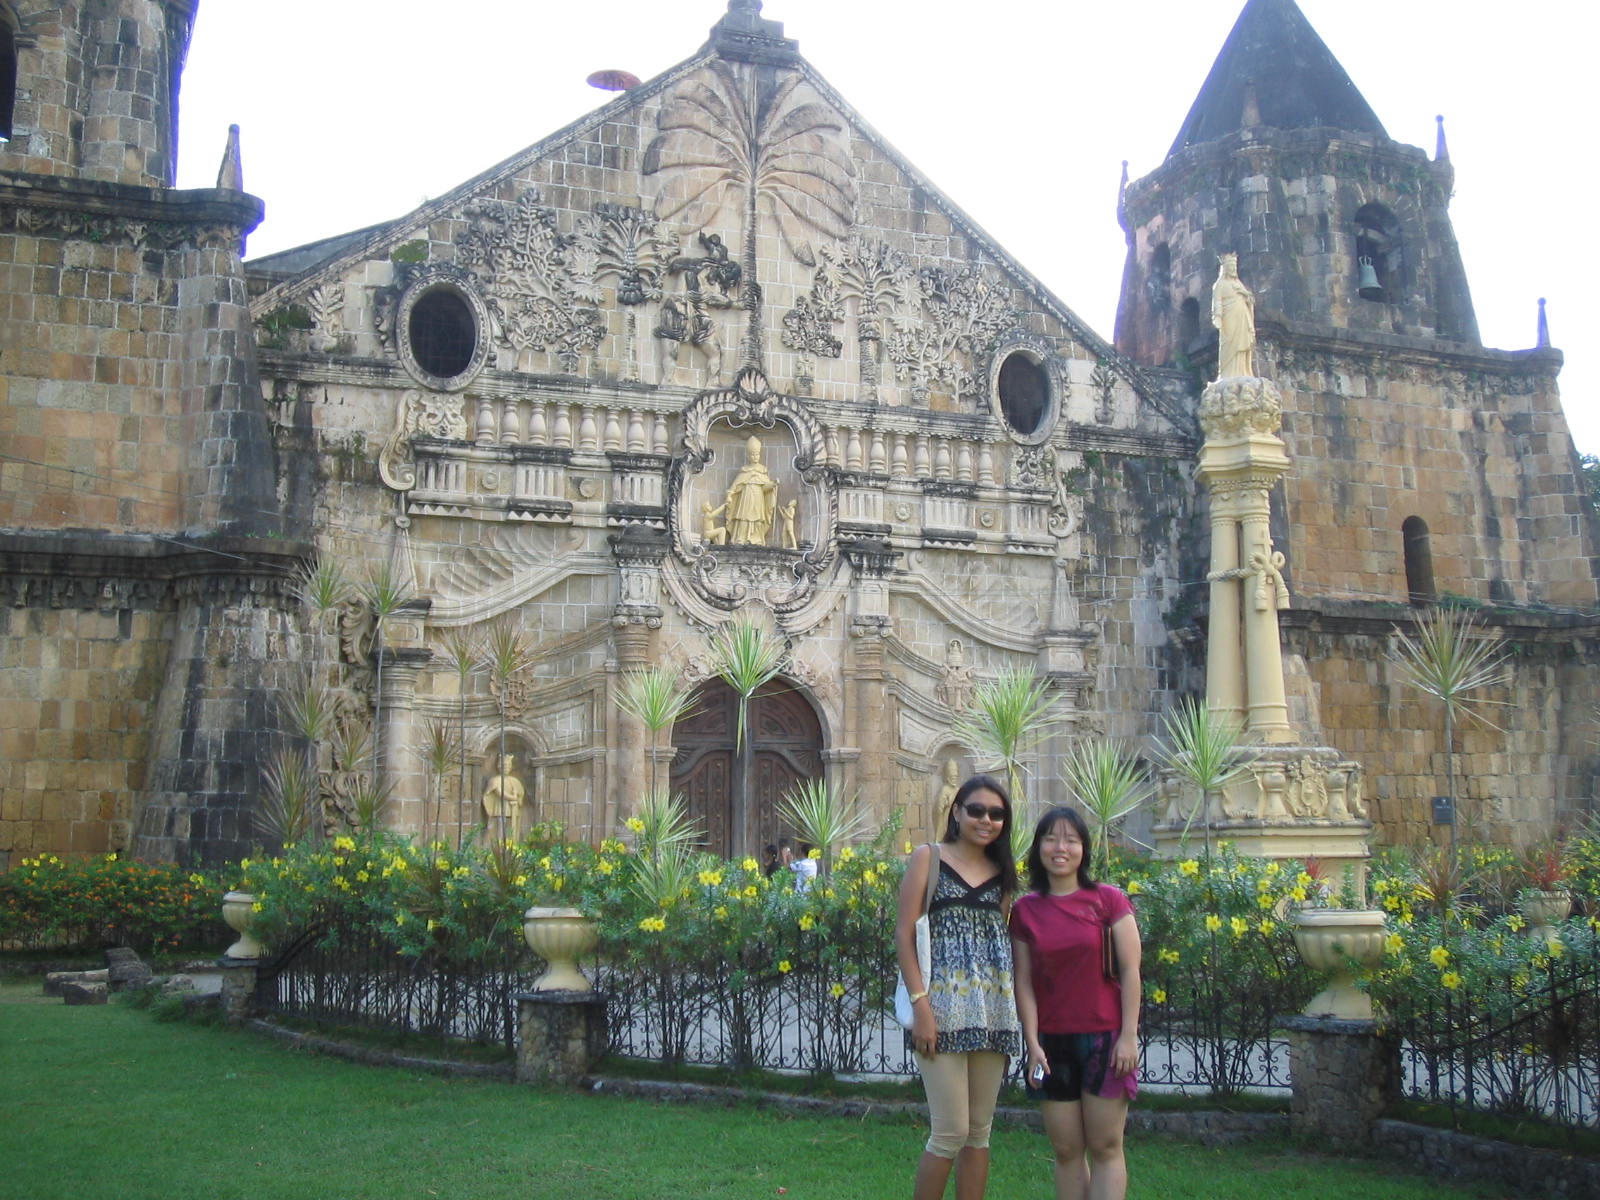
(1544, 868)
(1338, 940)
(554, 927)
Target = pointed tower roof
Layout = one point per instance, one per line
(1275, 56)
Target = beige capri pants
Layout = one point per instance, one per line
(962, 1092)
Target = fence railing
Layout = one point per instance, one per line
(1530, 1049)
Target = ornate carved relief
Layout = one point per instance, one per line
(687, 321)
(750, 536)
(964, 313)
(419, 414)
(959, 683)
(540, 291)
(757, 143)
(623, 243)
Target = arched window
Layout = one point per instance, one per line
(1380, 263)
(1419, 562)
(8, 74)
(1160, 281)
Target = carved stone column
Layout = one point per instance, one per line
(638, 551)
(1241, 462)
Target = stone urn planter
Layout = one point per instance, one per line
(238, 910)
(1339, 940)
(560, 936)
(1543, 908)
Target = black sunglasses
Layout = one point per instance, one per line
(977, 812)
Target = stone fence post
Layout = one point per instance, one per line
(1343, 1075)
(240, 980)
(559, 1035)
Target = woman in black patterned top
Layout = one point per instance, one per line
(965, 1023)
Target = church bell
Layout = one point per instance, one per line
(1369, 287)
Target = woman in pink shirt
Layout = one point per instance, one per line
(1080, 1024)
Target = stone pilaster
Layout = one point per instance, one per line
(560, 1034)
(1343, 1075)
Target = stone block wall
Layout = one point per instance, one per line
(77, 699)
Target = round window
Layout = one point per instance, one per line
(442, 333)
(1024, 390)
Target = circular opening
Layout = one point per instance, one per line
(1024, 388)
(442, 333)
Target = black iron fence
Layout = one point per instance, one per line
(1529, 1049)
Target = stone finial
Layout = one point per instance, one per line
(1441, 151)
(745, 35)
(1239, 407)
(230, 176)
(1543, 341)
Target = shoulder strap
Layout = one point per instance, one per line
(933, 875)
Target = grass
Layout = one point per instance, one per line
(107, 1101)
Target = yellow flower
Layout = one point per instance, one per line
(750, 892)
(807, 923)
(653, 924)
(1265, 901)
(1297, 893)
(815, 853)
(869, 877)
(907, 849)
(836, 991)
(1450, 980)
(1159, 996)
(710, 878)
(399, 918)
(846, 854)
(1264, 884)
(1439, 956)
(256, 907)
(749, 864)
(1393, 943)
(1554, 946)
(1167, 956)
(721, 912)
(520, 881)
(1135, 888)
(344, 843)
(635, 824)
(1515, 923)
(784, 967)
(1213, 922)
(1266, 927)
(1189, 867)
(432, 924)
(1237, 924)
(605, 866)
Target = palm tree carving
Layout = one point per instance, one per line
(877, 277)
(750, 136)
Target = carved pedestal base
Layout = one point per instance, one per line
(1290, 802)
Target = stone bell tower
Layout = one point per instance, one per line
(1283, 162)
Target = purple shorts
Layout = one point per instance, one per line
(1079, 1063)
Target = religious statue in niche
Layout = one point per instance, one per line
(502, 801)
(959, 682)
(1233, 312)
(752, 501)
(686, 321)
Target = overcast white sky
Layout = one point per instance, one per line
(1021, 111)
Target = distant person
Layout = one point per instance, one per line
(797, 858)
(769, 859)
(1080, 1026)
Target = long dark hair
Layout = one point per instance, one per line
(999, 850)
(1038, 877)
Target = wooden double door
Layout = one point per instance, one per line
(732, 792)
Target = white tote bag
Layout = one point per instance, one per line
(903, 1010)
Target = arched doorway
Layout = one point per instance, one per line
(784, 747)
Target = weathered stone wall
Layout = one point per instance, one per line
(1527, 767)
(76, 711)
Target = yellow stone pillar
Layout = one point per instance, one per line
(1224, 653)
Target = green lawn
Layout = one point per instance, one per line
(109, 1102)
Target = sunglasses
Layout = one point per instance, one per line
(977, 812)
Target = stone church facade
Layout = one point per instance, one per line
(716, 351)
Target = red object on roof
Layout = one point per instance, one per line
(613, 81)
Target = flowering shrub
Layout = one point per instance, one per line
(1219, 965)
(88, 903)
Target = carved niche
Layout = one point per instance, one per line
(731, 555)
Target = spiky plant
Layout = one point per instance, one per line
(370, 798)
(661, 877)
(462, 656)
(1203, 748)
(385, 592)
(746, 657)
(663, 823)
(287, 814)
(658, 699)
(1009, 716)
(441, 751)
(321, 586)
(824, 816)
(504, 652)
(1105, 780)
(1447, 658)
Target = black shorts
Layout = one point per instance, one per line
(1081, 1062)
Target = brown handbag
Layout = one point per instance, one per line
(1108, 955)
